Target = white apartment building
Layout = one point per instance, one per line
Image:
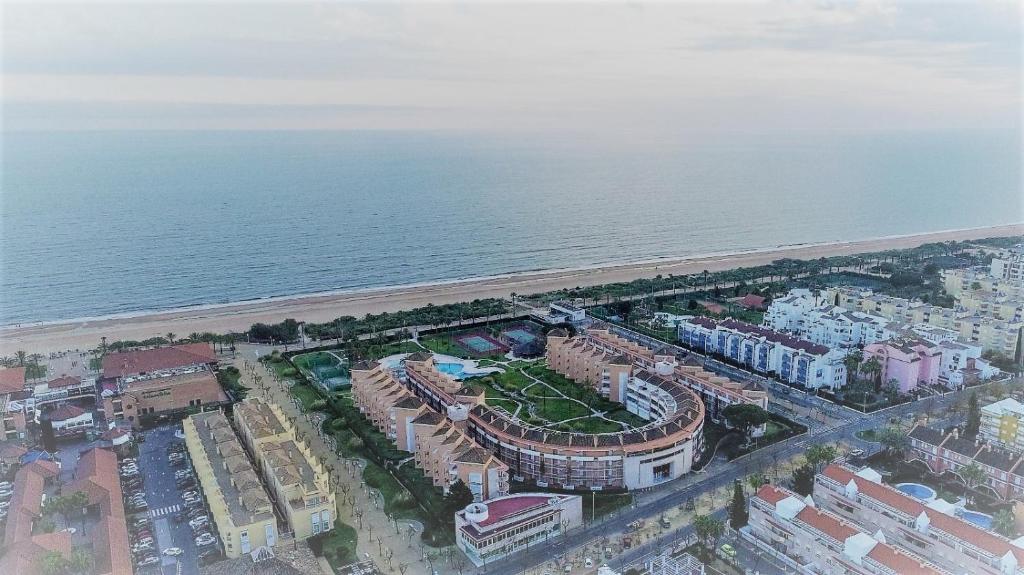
(1009, 265)
(813, 318)
(767, 351)
(489, 531)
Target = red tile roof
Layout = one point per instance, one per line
(900, 562)
(127, 363)
(65, 412)
(751, 301)
(507, 507)
(10, 450)
(48, 469)
(12, 379)
(964, 530)
(64, 381)
(772, 494)
(826, 523)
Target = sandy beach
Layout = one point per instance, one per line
(86, 334)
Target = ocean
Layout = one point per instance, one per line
(100, 223)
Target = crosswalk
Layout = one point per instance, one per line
(154, 513)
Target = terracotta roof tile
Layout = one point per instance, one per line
(134, 362)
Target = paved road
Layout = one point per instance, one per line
(163, 497)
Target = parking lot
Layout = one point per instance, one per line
(165, 517)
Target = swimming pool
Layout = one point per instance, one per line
(978, 518)
(916, 490)
(455, 370)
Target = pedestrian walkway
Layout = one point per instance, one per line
(391, 544)
(154, 513)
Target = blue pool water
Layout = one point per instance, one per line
(922, 492)
(982, 520)
(453, 369)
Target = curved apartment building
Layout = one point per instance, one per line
(659, 451)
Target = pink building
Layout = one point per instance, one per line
(910, 362)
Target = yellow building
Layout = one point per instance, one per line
(999, 306)
(958, 281)
(240, 508)
(991, 333)
(1002, 423)
(299, 484)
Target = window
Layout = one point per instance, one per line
(244, 536)
(325, 520)
(315, 518)
(271, 536)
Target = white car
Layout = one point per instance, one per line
(205, 539)
(69, 530)
(148, 561)
(199, 521)
(173, 551)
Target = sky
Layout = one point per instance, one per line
(530, 66)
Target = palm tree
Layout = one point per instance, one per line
(21, 358)
(972, 476)
(852, 363)
(873, 368)
(170, 337)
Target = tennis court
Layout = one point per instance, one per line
(520, 336)
(481, 344)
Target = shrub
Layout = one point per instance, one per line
(289, 372)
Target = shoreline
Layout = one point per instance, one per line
(85, 333)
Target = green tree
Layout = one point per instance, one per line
(80, 562)
(52, 563)
(744, 417)
(756, 480)
(973, 416)
(738, 509)
(820, 454)
(972, 475)
(1005, 523)
(803, 480)
(893, 440)
(873, 368)
(67, 505)
(852, 363)
(459, 496)
(170, 336)
(708, 529)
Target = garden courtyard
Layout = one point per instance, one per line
(534, 394)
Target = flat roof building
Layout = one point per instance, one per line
(241, 509)
(489, 531)
(299, 484)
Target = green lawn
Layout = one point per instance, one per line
(443, 345)
(337, 545)
(305, 394)
(621, 414)
(559, 409)
(589, 425)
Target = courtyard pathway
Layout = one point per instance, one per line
(393, 545)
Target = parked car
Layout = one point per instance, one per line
(152, 559)
(173, 551)
(202, 520)
(69, 530)
(205, 539)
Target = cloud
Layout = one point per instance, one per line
(707, 66)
